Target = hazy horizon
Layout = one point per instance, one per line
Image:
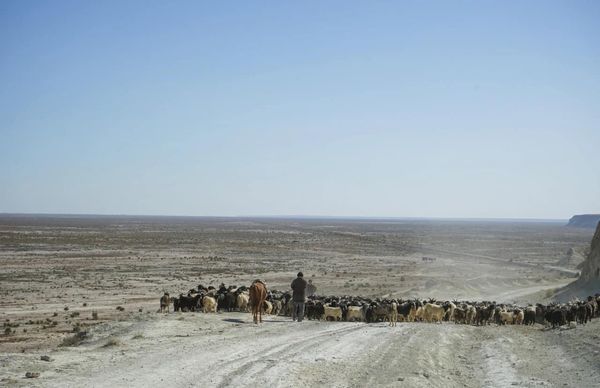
(284, 216)
(483, 110)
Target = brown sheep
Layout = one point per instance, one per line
(165, 301)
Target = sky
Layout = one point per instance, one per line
(475, 109)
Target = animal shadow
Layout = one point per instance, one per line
(234, 320)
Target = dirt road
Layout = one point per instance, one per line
(223, 350)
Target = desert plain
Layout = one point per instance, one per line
(103, 276)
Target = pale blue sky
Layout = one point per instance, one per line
(415, 109)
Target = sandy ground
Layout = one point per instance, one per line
(58, 272)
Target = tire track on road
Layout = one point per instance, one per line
(280, 353)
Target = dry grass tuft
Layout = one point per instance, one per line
(113, 341)
(73, 340)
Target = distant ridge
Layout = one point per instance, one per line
(584, 221)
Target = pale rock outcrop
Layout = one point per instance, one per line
(590, 269)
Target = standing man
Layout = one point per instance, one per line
(311, 288)
(298, 297)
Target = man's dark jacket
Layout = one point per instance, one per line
(299, 288)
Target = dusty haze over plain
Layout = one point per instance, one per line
(437, 109)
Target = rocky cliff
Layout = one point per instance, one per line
(584, 220)
(590, 269)
(589, 280)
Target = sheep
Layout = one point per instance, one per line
(209, 304)
(529, 316)
(188, 303)
(416, 311)
(230, 301)
(165, 301)
(276, 307)
(459, 315)
(506, 317)
(419, 316)
(380, 312)
(485, 313)
(392, 313)
(433, 313)
(242, 301)
(518, 317)
(354, 314)
(471, 314)
(267, 307)
(335, 313)
(556, 315)
(449, 307)
(404, 310)
(314, 310)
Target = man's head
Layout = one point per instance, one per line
(300, 274)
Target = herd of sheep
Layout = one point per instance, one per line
(353, 308)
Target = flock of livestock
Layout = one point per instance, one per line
(353, 308)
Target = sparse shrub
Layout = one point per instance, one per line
(73, 340)
(112, 341)
(74, 314)
(7, 331)
(55, 314)
(66, 308)
(95, 315)
(138, 336)
(84, 304)
(120, 308)
(140, 309)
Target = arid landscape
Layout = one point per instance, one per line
(103, 276)
(168, 168)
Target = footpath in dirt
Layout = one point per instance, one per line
(221, 350)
